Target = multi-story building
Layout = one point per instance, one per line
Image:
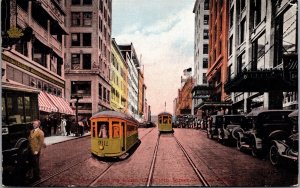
(201, 38)
(184, 99)
(33, 51)
(262, 49)
(88, 54)
(141, 94)
(119, 82)
(218, 32)
(130, 57)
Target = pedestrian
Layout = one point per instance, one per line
(63, 124)
(81, 128)
(48, 124)
(36, 141)
(68, 126)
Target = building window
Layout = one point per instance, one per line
(75, 37)
(204, 79)
(206, 19)
(86, 39)
(205, 34)
(230, 45)
(242, 30)
(75, 2)
(243, 4)
(104, 93)
(75, 17)
(231, 17)
(83, 86)
(206, 5)
(75, 61)
(205, 48)
(100, 91)
(21, 47)
(87, 18)
(241, 63)
(258, 52)
(87, 62)
(86, 2)
(286, 35)
(256, 10)
(205, 63)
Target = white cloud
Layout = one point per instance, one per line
(167, 49)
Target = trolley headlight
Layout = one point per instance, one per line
(101, 147)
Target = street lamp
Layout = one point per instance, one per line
(77, 96)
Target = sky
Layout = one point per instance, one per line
(162, 33)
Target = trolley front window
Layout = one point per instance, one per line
(166, 120)
(115, 129)
(102, 127)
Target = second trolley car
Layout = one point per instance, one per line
(165, 122)
(113, 133)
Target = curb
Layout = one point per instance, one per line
(69, 139)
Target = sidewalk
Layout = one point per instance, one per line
(58, 139)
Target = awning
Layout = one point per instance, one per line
(45, 103)
(261, 81)
(62, 105)
(212, 104)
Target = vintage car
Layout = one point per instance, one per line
(266, 125)
(213, 125)
(230, 123)
(286, 149)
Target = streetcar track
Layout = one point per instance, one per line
(101, 175)
(58, 172)
(198, 173)
(146, 134)
(73, 165)
(150, 176)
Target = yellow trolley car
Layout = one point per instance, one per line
(165, 122)
(113, 133)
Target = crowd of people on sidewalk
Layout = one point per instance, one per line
(64, 126)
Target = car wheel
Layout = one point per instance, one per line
(274, 155)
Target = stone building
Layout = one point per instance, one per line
(33, 52)
(88, 55)
(201, 38)
(119, 80)
(262, 49)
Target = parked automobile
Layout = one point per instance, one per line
(213, 125)
(286, 149)
(266, 125)
(229, 123)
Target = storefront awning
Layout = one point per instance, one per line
(260, 81)
(45, 104)
(212, 104)
(62, 105)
